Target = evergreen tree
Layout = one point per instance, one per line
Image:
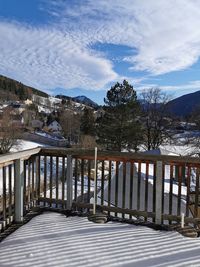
(88, 122)
(119, 126)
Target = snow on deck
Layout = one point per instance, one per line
(51, 239)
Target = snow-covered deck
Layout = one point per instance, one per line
(51, 239)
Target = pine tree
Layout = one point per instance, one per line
(88, 122)
(119, 126)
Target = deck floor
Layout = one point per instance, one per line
(51, 239)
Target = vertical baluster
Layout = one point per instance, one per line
(159, 192)
(63, 181)
(89, 179)
(38, 178)
(33, 182)
(116, 185)
(109, 183)
(139, 183)
(179, 190)
(171, 191)
(131, 188)
(57, 184)
(146, 188)
(124, 187)
(196, 206)
(69, 183)
(51, 179)
(102, 183)
(163, 190)
(25, 186)
(29, 185)
(188, 191)
(4, 196)
(82, 180)
(10, 193)
(76, 179)
(1, 196)
(154, 189)
(45, 179)
(19, 190)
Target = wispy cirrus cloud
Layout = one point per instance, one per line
(166, 34)
(48, 58)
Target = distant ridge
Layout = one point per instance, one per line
(85, 100)
(80, 99)
(184, 105)
(13, 90)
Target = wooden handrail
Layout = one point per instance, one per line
(102, 155)
(119, 156)
(25, 154)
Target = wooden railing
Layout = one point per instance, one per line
(138, 186)
(12, 170)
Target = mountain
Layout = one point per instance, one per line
(184, 105)
(13, 90)
(79, 99)
(85, 100)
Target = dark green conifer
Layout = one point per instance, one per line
(118, 127)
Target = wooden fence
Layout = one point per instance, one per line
(138, 186)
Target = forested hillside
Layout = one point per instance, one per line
(14, 90)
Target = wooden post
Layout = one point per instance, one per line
(69, 182)
(19, 189)
(159, 172)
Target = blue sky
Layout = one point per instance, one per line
(85, 46)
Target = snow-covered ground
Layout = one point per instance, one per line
(180, 150)
(51, 239)
(50, 136)
(23, 145)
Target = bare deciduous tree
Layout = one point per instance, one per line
(155, 117)
(87, 141)
(9, 132)
(70, 123)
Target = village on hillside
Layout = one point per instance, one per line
(45, 120)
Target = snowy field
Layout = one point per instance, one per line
(51, 239)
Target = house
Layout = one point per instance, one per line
(54, 126)
(28, 102)
(16, 107)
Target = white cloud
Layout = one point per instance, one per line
(190, 85)
(173, 90)
(47, 58)
(166, 34)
